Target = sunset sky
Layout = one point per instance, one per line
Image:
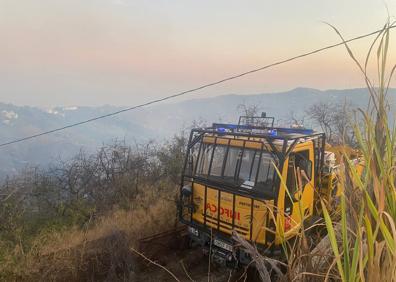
(124, 52)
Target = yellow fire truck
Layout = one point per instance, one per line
(254, 179)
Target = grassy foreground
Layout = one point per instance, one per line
(367, 249)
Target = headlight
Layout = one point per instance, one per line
(193, 231)
(186, 191)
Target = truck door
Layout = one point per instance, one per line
(300, 184)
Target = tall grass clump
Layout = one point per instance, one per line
(360, 244)
(364, 239)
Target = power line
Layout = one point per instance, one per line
(195, 89)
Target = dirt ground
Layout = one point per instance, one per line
(188, 265)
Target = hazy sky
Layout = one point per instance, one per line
(123, 52)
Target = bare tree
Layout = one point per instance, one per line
(296, 120)
(323, 115)
(248, 110)
(335, 120)
(343, 124)
(197, 123)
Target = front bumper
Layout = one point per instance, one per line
(222, 250)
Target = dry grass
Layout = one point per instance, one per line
(101, 251)
(367, 249)
(266, 267)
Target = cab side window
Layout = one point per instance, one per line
(291, 175)
(298, 161)
(303, 162)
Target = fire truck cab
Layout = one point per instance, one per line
(250, 178)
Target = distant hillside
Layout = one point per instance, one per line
(157, 122)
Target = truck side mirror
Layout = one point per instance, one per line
(186, 191)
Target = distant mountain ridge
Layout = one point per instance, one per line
(157, 122)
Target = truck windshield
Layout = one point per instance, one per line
(243, 167)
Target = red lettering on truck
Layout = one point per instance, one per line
(223, 211)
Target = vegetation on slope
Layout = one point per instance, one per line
(78, 219)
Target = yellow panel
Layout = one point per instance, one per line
(208, 139)
(243, 209)
(253, 145)
(199, 195)
(211, 207)
(236, 143)
(222, 141)
(241, 215)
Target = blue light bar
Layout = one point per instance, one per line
(273, 132)
(296, 130)
(223, 127)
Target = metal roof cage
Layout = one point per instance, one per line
(259, 121)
